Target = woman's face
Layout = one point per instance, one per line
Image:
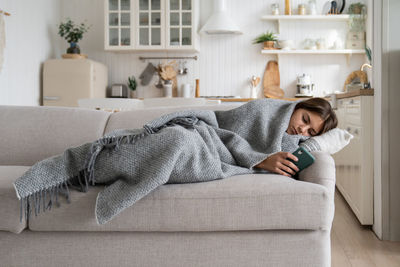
(305, 123)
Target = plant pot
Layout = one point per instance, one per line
(269, 44)
(357, 10)
(73, 49)
(133, 93)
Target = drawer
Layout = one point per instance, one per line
(355, 44)
(356, 36)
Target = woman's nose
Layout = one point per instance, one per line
(303, 129)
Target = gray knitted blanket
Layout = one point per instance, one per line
(182, 147)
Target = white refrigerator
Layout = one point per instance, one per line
(67, 80)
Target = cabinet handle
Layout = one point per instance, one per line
(352, 101)
(51, 98)
(348, 129)
(356, 131)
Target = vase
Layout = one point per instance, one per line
(269, 44)
(73, 48)
(168, 89)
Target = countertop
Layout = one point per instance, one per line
(359, 92)
(356, 93)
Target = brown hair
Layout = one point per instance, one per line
(323, 109)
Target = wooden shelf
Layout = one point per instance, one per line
(344, 17)
(310, 51)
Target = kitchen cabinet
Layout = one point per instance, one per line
(354, 163)
(148, 25)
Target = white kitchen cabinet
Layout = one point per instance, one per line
(354, 164)
(148, 25)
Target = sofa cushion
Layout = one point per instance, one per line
(31, 134)
(9, 203)
(245, 202)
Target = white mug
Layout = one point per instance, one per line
(186, 90)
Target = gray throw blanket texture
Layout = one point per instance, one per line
(182, 147)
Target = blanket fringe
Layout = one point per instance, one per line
(46, 198)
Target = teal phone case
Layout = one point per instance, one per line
(304, 157)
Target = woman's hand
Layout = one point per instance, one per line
(279, 164)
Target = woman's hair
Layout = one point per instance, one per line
(323, 109)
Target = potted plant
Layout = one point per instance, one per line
(356, 8)
(72, 33)
(132, 85)
(268, 39)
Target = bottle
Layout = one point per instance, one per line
(275, 9)
(288, 10)
(302, 9)
(197, 92)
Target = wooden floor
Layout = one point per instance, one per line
(357, 245)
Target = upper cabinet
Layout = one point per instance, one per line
(148, 25)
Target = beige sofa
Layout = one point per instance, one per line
(247, 220)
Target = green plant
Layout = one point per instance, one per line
(268, 36)
(368, 53)
(132, 83)
(356, 8)
(71, 32)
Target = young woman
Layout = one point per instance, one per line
(310, 118)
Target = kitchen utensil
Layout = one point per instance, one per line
(304, 85)
(340, 5)
(271, 81)
(197, 92)
(333, 9)
(147, 74)
(159, 85)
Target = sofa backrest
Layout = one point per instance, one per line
(30, 134)
(137, 118)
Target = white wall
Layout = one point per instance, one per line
(30, 40)
(394, 122)
(226, 63)
(387, 124)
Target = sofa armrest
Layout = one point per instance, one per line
(322, 172)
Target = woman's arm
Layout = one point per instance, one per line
(279, 163)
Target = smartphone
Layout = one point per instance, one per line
(304, 157)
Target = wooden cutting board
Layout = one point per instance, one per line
(271, 81)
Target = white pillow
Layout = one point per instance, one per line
(333, 140)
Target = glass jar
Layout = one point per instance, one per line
(275, 9)
(302, 9)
